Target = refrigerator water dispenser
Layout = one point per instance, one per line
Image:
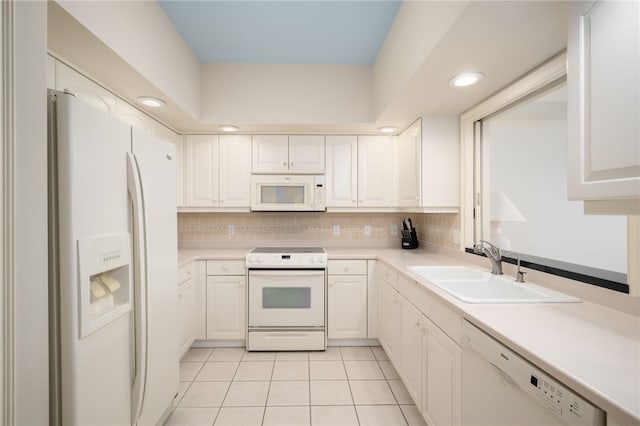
(104, 280)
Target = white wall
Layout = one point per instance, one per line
(528, 163)
(416, 31)
(272, 93)
(29, 251)
(140, 33)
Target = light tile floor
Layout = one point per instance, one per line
(340, 386)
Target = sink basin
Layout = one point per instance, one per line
(474, 286)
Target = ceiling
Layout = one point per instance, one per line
(283, 32)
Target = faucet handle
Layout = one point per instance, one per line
(520, 276)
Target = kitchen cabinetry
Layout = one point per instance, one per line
(388, 311)
(347, 299)
(226, 300)
(201, 177)
(217, 170)
(342, 171)
(411, 359)
(180, 172)
(186, 307)
(235, 170)
(441, 393)
(375, 171)
(288, 154)
(440, 163)
(419, 334)
(604, 105)
(409, 165)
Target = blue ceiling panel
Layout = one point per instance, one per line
(283, 32)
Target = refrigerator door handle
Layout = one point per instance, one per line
(134, 185)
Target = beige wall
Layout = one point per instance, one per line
(201, 229)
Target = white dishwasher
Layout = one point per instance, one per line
(501, 388)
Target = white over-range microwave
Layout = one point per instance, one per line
(287, 193)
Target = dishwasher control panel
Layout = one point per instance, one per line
(557, 398)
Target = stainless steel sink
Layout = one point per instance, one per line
(475, 286)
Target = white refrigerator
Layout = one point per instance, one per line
(112, 269)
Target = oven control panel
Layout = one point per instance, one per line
(288, 260)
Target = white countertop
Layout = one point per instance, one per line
(592, 349)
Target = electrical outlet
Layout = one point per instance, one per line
(232, 230)
(394, 230)
(367, 230)
(456, 236)
(336, 229)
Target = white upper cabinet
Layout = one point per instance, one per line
(342, 171)
(604, 103)
(288, 154)
(180, 172)
(306, 154)
(201, 171)
(375, 171)
(270, 154)
(68, 79)
(409, 165)
(440, 163)
(235, 170)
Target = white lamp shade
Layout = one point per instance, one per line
(502, 209)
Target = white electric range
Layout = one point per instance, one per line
(287, 299)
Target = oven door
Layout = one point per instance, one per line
(286, 298)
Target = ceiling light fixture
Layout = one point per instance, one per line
(466, 79)
(387, 129)
(228, 128)
(151, 101)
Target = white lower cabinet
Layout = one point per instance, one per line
(226, 300)
(441, 391)
(347, 299)
(427, 359)
(186, 307)
(411, 357)
(389, 323)
(347, 307)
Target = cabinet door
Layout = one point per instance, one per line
(347, 307)
(201, 171)
(604, 102)
(180, 172)
(389, 323)
(270, 154)
(375, 167)
(410, 352)
(235, 170)
(226, 307)
(341, 174)
(442, 386)
(306, 154)
(186, 317)
(409, 159)
(84, 89)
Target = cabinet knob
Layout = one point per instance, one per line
(291, 164)
(331, 284)
(284, 163)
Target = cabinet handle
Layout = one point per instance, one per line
(331, 284)
(284, 163)
(418, 324)
(291, 164)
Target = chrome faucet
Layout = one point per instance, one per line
(493, 254)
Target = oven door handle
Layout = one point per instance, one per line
(287, 272)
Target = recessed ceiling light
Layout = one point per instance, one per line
(228, 128)
(151, 101)
(387, 129)
(466, 79)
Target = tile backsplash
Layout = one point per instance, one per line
(202, 229)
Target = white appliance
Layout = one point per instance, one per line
(112, 277)
(287, 193)
(501, 388)
(286, 299)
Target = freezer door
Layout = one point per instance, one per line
(158, 322)
(91, 379)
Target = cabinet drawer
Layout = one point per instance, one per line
(186, 272)
(347, 267)
(388, 274)
(226, 267)
(447, 320)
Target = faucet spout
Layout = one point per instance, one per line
(493, 254)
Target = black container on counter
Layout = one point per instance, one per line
(409, 236)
